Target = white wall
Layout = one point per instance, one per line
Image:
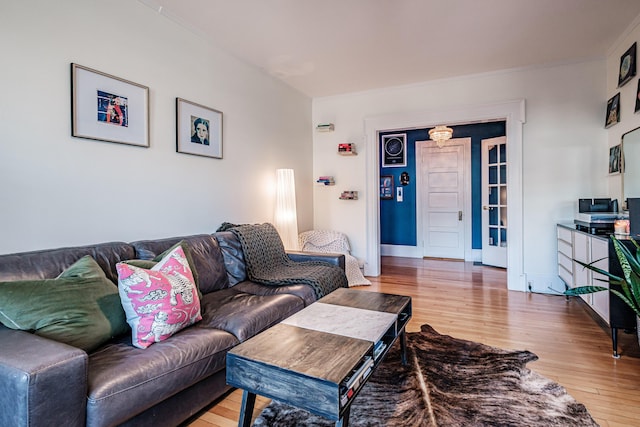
(56, 190)
(563, 144)
(628, 119)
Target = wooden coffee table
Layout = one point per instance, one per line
(320, 358)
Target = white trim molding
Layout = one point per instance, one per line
(513, 112)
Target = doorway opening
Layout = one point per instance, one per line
(512, 113)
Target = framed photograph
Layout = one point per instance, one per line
(627, 65)
(386, 187)
(638, 97)
(108, 108)
(615, 159)
(613, 111)
(394, 152)
(198, 129)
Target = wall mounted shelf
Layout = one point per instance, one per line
(347, 149)
(349, 195)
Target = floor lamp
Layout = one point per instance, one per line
(286, 218)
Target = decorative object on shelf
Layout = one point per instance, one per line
(613, 111)
(198, 130)
(394, 153)
(285, 217)
(349, 195)
(615, 159)
(404, 178)
(627, 66)
(347, 149)
(326, 180)
(386, 187)
(325, 127)
(440, 134)
(108, 108)
(629, 284)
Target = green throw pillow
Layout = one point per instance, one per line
(81, 307)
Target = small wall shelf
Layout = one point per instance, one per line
(325, 127)
(349, 195)
(347, 149)
(326, 180)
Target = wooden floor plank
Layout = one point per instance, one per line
(472, 302)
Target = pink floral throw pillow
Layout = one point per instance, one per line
(161, 301)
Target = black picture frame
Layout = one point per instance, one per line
(638, 98)
(615, 159)
(386, 187)
(394, 150)
(627, 65)
(613, 111)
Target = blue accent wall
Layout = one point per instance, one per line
(398, 220)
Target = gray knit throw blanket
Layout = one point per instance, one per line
(267, 262)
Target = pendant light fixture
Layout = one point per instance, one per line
(440, 134)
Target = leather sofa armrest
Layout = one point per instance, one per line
(331, 258)
(42, 382)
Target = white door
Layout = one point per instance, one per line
(442, 199)
(494, 201)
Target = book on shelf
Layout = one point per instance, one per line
(326, 180)
(357, 376)
(349, 195)
(378, 349)
(325, 127)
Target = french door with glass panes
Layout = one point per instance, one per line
(494, 201)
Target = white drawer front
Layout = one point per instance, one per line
(564, 234)
(565, 261)
(565, 248)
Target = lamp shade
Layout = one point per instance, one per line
(285, 217)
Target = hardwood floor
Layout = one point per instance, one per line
(472, 302)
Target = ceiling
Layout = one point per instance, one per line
(329, 47)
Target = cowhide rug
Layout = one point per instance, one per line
(450, 382)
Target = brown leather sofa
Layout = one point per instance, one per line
(47, 383)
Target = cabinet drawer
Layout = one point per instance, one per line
(565, 261)
(564, 234)
(565, 275)
(565, 248)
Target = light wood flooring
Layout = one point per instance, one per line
(472, 302)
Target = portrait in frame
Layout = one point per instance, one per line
(198, 129)
(108, 108)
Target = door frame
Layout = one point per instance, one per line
(466, 217)
(513, 112)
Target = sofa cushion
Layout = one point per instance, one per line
(303, 291)
(203, 249)
(244, 315)
(233, 258)
(125, 380)
(159, 301)
(80, 308)
(49, 263)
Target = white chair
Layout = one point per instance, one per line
(336, 242)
